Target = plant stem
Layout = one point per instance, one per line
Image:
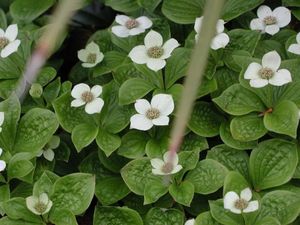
(195, 72)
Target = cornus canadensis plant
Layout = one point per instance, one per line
(91, 55)
(39, 205)
(169, 165)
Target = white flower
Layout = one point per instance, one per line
(268, 72)
(129, 26)
(220, 40)
(91, 55)
(295, 48)
(1, 120)
(269, 21)
(190, 222)
(39, 205)
(238, 204)
(8, 42)
(153, 53)
(2, 162)
(47, 151)
(166, 166)
(84, 95)
(155, 113)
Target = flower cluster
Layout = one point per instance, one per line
(39, 205)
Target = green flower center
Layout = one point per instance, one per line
(152, 114)
(270, 20)
(40, 207)
(91, 58)
(87, 96)
(167, 168)
(132, 23)
(266, 73)
(3, 42)
(241, 204)
(155, 52)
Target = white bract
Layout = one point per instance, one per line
(84, 95)
(91, 55)
(220, 40)
(268, 72)
(8, 42)
(155, 113)
(240, 204)
(269, 21)
(130, 26)
(295, 48)
(154, 52)
(190, 222)
(2, 162)
(39, 205)
(47, 151)
(1, 120)
(169, 165)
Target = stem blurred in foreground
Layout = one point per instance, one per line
(196, 70)
(45, 46)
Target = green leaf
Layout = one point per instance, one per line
(156, 148)
(133, 89)
(104, 215)
(290, 3)
(188, 159)
(23, 10)
(152, 77)
(52, 90)
(46, 75)
(35, 129)
(284, 119)
(193, 142)
(137, 173)
(268, 221)
(155, 189)
(7, 221)
(282, 205)
(110, 190)
(83, 135)
(114, 162)
(273, 163)
(62, 217)
(289, 92)
(205, 120)
(124, 6)
(149, 5)
(205, 218)
(231, 158)
(19, 166)
(248, 127)
(125, 44)
(237, 100)
(43, 185)
(224, 216)
(133, 144)
(74, 192)
(182, 193)
(234, 181)
(207, 177)
(108, 142)
(158, 216)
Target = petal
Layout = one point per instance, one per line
(144, 22)
(30, 203)
(246, 194)
(156, 64)
(43, 198)
(122, 19)
(79, 89)
(54, 142)
(294, 48)
(298, 38)
(10, 48)
(190, 222)
(11, 32)
(236, 211)
(93, 47)
(157, 163)
(168, 47)
(272, 29)
(49, 154)
(139, 54)
(283, 16)
(164, 103)
(253, 206)
(219, 41)
(258, 83)
(198, 24)
(1, 119)
(1, 151)
(252, 71)
(99, 57)
(141, 106)
(229, 200)
(2, 165)
(264, 11)
(77, 102)
(168, 156)
(94, 106)
(49, 205)
(220, 26)
(161, 121)
(82, 55)
(40, 153)
(281, 77)
(88, 65)
(153, 39)
(120, 31)
(96, 90)
(2, 33)
(257, 24)
(140, 122)
(176, 169)
(136, 31)
(271, 60)
(158, 172)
